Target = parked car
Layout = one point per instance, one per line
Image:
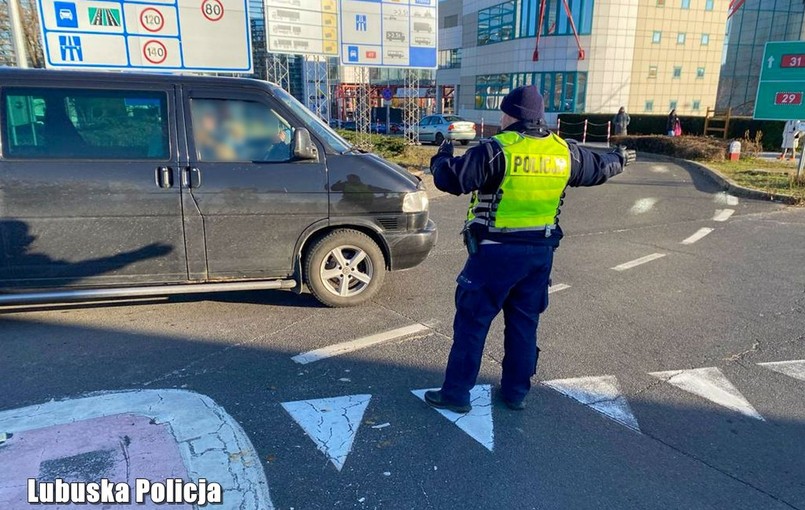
(437, 128)
(119, 185)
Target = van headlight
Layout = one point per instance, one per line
(415, 202)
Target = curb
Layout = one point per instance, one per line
(726, 183)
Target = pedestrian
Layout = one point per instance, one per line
(792, 132)
(621, 121)
(517, 180)
(673, 126)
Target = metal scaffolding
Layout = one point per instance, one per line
(277, 70)
(411, 107)
(363, 109)
(317, 86)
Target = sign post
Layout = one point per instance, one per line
(148, 35)
(781, 91)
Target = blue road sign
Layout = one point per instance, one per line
(389, 33)
(66, 14)
(387, 94)
(360, 23)
(70, 47)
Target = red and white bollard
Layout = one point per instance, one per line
(735, 150)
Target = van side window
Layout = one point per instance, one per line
(228, 130)
(85, 124)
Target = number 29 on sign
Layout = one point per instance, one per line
(788, 98)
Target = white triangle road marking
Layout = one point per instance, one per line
(723, 214)
(795, 369)
(331, 423)
(478, 423)
(712, 384)
(601, 393)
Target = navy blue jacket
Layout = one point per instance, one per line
(482, 169)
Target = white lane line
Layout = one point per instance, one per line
(723, 214)
(726, 199)
(360, 343)
(712, 384)
(660, 169)
(643, 205)
(558, 288)
(701, 233)
(637, 262)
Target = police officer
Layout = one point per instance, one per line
(517, 180)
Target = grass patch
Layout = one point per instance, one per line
(770, 176)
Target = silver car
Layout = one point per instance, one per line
(437, 128)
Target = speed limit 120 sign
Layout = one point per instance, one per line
(213, 10)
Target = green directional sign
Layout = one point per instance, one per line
(781, 92)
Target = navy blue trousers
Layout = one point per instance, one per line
(509, 277)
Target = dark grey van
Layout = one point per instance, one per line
(116, 184)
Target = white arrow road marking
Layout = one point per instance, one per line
(477, 423)
(355, 345)
(637, 262)
(723, 214)
(601, 393)
(712, 384)
(558, 288)
(331, 423)
(701, 233)
(643, 205)
(725, 198)
(212, 444)
(795, 369)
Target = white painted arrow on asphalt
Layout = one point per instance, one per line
(712, 384)
(477, 423)
(601, 393)
(331, 423)
(795, 369)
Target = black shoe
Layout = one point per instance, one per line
(436, 399)
(514, 405)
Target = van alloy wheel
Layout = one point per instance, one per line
(346, 271)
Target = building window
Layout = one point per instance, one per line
(705, 39)
(450, 21)
(556, 21)
(686, 4)
(656, 37)
(697, 105)
(496, 24)
(652, 71)
(700, 72)
(650, 106)
(562, 92)
(677, 72)
(708, 5)
(450, 59)
(672, 105)
(680, 38)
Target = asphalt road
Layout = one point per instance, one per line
(726, 302)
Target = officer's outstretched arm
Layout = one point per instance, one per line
(590, 168)
(467, 173)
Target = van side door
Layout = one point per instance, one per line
(255, 200)
(89, 185)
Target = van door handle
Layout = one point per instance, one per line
(191, 178)
(164, 177)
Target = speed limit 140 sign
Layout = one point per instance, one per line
(782, 82)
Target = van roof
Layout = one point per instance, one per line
(96, 77)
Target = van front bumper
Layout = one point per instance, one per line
(409, 249)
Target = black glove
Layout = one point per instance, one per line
(446, 148)
(628, 156)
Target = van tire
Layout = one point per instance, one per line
(438, 139)
(345, 245)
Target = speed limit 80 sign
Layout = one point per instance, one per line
(213, 10)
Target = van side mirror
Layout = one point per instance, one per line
(303, 146)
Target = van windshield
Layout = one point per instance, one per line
(313, 122)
